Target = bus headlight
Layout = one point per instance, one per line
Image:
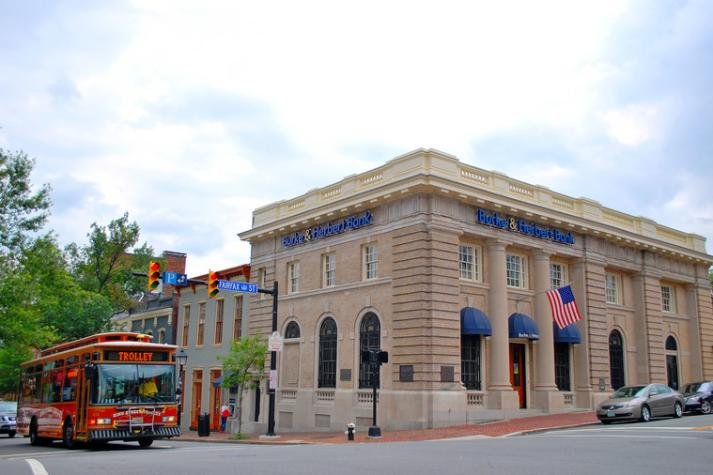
(169, 418)
(103, 421)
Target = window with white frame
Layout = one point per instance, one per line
(329, 270)
(261, 278)
(558, 274)
(516, 271)
(668, 299)
(293, 277)
(612, 288)
(371, 260)
(469, 262)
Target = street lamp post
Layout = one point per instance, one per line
(182, 358)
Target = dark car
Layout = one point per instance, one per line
(8, 413)
(640, 402)
(698, 396)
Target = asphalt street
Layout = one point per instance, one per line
(662, 446)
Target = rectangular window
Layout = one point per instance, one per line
(612, 288)
(329, 270)
(218, 338)
(261, 277)
(469, 262)
(668, 301)
(371, 260)
(516, 271)
(293, 277)
(470, 361)
(201, 324)
(238, 317)
(562, 366)
(186, 324)
(558, 275)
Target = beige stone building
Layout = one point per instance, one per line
(446, 267)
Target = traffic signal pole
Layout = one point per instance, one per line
(273, 363)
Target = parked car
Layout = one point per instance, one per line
(8, 413)
(641, 402)
(698, 396)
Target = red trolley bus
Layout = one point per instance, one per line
(109, 386)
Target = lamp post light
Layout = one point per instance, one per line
(182, 358)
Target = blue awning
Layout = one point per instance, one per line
(522, 326)
(568, 334)
(474, 322)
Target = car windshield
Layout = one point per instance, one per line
(8, 406)
(131, 384)
(629, 391)
(691, 388)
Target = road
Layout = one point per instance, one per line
(662, 446)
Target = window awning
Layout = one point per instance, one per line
(568, 334)
(474, 322)
(522, 326)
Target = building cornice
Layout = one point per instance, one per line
(432, 171)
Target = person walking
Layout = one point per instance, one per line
(224, 414)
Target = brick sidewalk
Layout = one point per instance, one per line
(488, 429)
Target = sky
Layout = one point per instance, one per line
(189, 115)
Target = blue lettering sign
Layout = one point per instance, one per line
(524, 227)
(330, 229)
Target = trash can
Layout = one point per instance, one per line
(203, 425)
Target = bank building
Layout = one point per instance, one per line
(446, 266)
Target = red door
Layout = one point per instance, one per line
(517, 371)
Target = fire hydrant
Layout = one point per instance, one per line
(351, 428)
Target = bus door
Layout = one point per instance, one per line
(84, 384)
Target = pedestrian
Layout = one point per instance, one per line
(224, 414)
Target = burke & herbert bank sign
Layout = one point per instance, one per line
(519, 225)
(330, 229)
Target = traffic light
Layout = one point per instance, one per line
(212, 284)
(153, 275)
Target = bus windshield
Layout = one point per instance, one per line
(134, 384)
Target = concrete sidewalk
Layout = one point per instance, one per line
(500, 428)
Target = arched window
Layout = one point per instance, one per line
(672, 362)
(616, 359)
(369, 339)
(292, 330)
(327, 377)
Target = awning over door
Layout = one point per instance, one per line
(568, 334)
(522, 326)
(474, 322)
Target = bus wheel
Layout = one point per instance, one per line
(34, 439)
(68, 435)
(145, 442)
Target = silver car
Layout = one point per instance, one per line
(641, 402)
(8, 411)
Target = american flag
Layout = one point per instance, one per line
(564, 308)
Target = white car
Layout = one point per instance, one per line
(8, 414)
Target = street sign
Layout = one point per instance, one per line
(274, 343)
(174, 278)
(273, 379)
(237, 286)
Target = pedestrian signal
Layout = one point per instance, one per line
(212, 284)
(153, 275)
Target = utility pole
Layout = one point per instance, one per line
(273, 364)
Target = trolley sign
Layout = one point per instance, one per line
(237, 286)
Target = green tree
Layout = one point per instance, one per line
(242, 366)
(22, 211)
(105, 264)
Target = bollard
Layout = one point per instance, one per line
(351, 428)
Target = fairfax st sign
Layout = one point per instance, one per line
(522, 226)
(322, 231)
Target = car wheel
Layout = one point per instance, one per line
(645, 413)
(705, 407)
(68, 436)
(606, 422)
(677, 410)
(11, 434)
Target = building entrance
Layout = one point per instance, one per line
(517, 372)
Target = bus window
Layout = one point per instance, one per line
(56, 378)
(69, 388)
